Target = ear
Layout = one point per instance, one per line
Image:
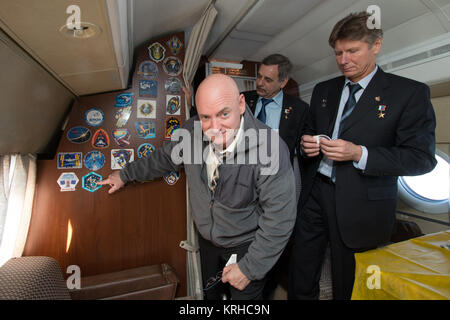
(284, 82)
(377, 45)
(241, 104)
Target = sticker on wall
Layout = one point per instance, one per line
(173, 85)
(122, 137)
(70, 160)
(148, 69)
(94, 117)
(148, 88)
(122, 115)
(100, 140)
(79, 134)
(173, 105)
(156, 51)
(146, 109)
(145, 129)
(172, 66)
(144, 150)
(124, 100)
(120, 158)
(174, 45)
(172, 124)
(89, 182)
(67, 181)
(171, 178)
(94, 160)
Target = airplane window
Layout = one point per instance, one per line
(429, 192)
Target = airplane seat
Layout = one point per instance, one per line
(32, 278)
(405, 230)
(40, 278)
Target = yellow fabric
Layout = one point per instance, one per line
(417, 269)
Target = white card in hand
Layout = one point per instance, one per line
(321, 136)
(233, 259)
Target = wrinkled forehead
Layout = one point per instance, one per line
(213, 104)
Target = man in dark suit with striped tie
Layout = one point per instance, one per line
(381, 126)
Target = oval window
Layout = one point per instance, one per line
(429, 192)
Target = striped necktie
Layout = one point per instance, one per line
(348, 109)
(349, 105)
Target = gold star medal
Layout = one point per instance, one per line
(382, 110)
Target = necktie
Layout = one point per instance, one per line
(349, 105)
(215, 173)
(348, 108)
(262, 114)
(215, 177)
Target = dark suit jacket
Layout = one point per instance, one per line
(400, 144)
(293, 115)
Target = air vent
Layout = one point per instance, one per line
(86, 30)
(417, 58)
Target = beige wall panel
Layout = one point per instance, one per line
(33, 102)
(442, 109)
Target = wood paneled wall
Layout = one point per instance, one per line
(141, 224)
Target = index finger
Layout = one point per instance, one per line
(308, 138)
(106, 181)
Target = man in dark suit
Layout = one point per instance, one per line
(272, 106)
(381, 126)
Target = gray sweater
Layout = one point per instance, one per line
(254, 200)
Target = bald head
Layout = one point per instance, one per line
(217, 87)
(219, 106)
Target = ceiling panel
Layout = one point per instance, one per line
(153, 18)
(35, 26)
(229, 11)
(44, 39)
(227, 50)
(273, 16)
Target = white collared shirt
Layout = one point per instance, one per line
(273, 110)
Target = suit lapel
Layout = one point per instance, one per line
(333, 100)
(368, 103)
(284, 121)
(251, 98)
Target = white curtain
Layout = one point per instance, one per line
(17, 185)
(196, 44)
(194, 51)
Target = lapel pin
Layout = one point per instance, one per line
(287, 112)
(378, 99)
(324, 103)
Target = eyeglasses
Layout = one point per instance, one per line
(213, 281)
